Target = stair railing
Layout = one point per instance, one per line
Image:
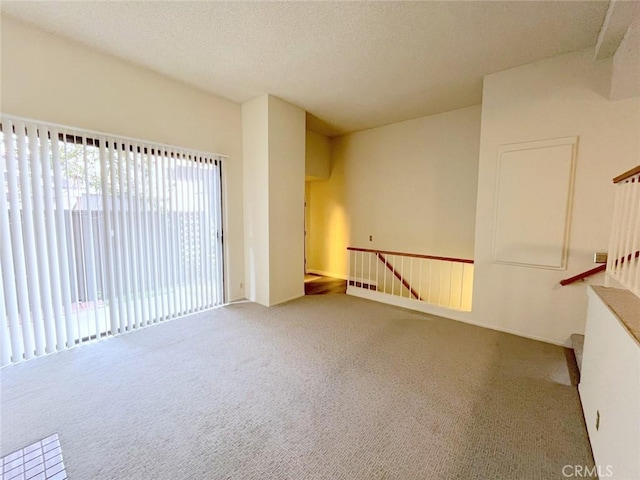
(435, 280)
(623, 260)
(623, 265)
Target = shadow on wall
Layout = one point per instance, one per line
(337, 240)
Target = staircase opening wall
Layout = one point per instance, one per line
(564, 96)
(610, 384)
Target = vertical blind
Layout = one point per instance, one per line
(101, 235)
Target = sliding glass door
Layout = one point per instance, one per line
(101, 235)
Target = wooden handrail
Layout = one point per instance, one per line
(413, 255)
(598, 269)
(583, 275)
(628, 174)
(397, 275)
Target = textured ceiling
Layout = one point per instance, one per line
(351, 65)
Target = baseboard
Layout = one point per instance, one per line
(326, 274)
(237, 299)
(458, 315)
(278, 302)
(512, 332)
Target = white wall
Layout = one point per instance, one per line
(610, 386)
(48, 78)
(286, 200)
(625, 81)
(274, 163)
(255, 142)
(411, 185)
(317, 156)
(560, 97)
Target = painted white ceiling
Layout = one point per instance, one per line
(351, 65)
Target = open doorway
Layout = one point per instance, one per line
(314, 282)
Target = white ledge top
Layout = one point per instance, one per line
(625, 305)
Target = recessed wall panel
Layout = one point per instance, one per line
(533, 205)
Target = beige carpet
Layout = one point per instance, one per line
(325, 387)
